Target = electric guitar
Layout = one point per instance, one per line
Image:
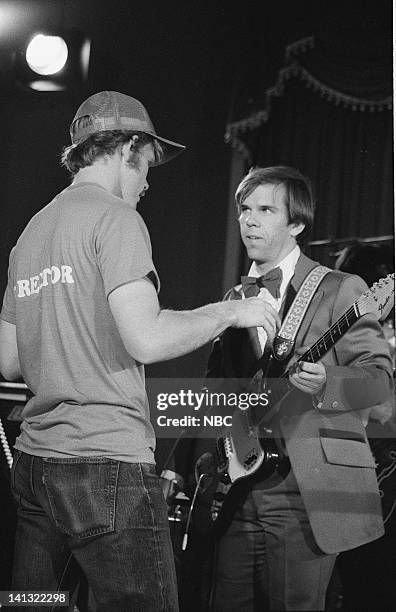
(250, 444)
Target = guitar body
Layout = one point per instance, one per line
(244, 452)
(248, 446)
(219, 494)
(247, 449)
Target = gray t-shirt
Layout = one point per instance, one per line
(89, 393)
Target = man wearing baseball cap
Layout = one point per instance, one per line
(80, 317)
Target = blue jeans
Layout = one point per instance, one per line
(108, 516)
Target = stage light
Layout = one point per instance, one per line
(51, 61)
(46, 55)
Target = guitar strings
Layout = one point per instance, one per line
(362, 301)
(337, 329)
(344, 319)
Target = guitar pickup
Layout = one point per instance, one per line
(251, 458)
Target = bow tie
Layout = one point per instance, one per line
(272, 280)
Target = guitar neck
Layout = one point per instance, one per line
(332, 335)
(378, 300)
(321, 346)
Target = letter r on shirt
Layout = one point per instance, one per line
(67, 276)
(23, 288)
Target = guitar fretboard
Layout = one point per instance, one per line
(317, 350)
(332, 335)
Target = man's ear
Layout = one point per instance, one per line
(296, 229)
(125, 150)
(128, 146)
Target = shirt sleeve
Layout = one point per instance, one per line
(8, 310)
(123, 249)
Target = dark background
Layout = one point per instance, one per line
(191, 62)
(196, 65)
(183, 60)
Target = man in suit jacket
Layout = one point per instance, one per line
(279, 551)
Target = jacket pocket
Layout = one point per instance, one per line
(353, 451)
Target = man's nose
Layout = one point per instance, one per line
(251, 219)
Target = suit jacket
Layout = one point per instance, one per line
(327, 445)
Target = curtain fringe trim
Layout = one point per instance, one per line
(297, 70)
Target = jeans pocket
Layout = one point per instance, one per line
(82, 494)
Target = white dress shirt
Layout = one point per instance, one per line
(287, 265)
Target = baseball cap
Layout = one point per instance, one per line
(111, 110)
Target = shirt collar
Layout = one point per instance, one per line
(287, 265)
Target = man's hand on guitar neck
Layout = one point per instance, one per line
(308, 377)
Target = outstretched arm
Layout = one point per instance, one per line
(151, 334)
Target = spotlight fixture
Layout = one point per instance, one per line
(46, 54)
(52, 61)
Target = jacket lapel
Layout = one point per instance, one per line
(255, 342)
(303, 266)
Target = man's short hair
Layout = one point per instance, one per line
(299, 198)
(98, 144)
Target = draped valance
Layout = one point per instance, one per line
(342, 71)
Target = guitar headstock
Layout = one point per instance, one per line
(379, 299)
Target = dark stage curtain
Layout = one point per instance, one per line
(328, 112)
(346, 153)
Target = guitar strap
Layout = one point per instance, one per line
(284, 341)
